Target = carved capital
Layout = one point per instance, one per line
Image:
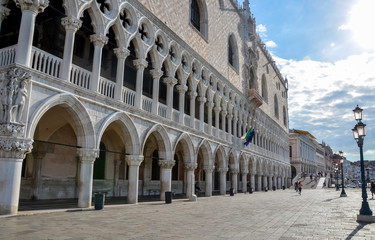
(192, 94)
(121, 53)
(166, 163)
(88, 155)
(191, 166)
(36, 6)
(71, 23)
(202, 99)
(12, 129)
(156, 73)
(245, 171)
(140, 64)
(99, 40)
(235, 171)
(224, 113)
(171, 81)
(208, 169)
(210, 104)
(223, 170)
(134, 160)
(182, 88)
(217, 109)
(14, 147)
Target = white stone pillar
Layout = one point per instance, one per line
(181, 95)
(71, 25)
(217, 110)
(223, 180)
(140, 64)
(234, 180)
(252, 181)
(190, 167)
(208, 180)
(165, 177)
(192, 96)
(133, 161)
(201, 101)
(265, 182)
(87, 158)
(99, 41)
(235, 121)
(260, 182)
(170, 82)
(121, 54)
(38, 155)
(223, 123)
(282, 181)
(270, 183)
(210, 105)
(25, 37)
(244, 181)
(156, 75)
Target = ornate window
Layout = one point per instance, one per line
(195, 15)
(199, 17)
(232, 52)
(284, 116)
(264, 88)
(276, 106)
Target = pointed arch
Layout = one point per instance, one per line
(207, 151)
(189, 151)
(163, 141)
(220, 153)
(233, 52)
(199, 16)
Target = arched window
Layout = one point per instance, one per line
(264, 88)
(276, 105)
(252, 79)
(284, 115)
(199, 16)
(232, 52)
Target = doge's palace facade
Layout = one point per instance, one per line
(136, 98)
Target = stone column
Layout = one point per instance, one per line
(181, 95)
(121, 54)
(265, 182)
(223, 123)
(270, 183)
(244, 181)
(4, 12)
(282, 181)
(156, 75)
(190, 167)
(133, 161)
(165, 177)
(192, 96)
(208, 173)
(252, 181)
(234, 180)
(13, 149)
(25, 37)
(87, 158)
(39, 152)
(99, 41)
(235, 120)
(217, 110)
(140, 64)
(201, 100)
(170, 82)
(223, 180)
(71, 25)
(210, 105)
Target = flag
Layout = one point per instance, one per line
(249, 136)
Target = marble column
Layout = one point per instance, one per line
(201, 101)
(26, 34)
(133, 161)
(270, 182)
(71, 25)
(156, 75)
(252, 181)
(230, 119)
(121, 54)
(140, 65)
(190, 167)
(87, 158)
(260, 182)
(234, 180)
(165, 177)
(169, 82)
(99, 41)
(223, 122)
(244, 181)
(265, 182)
(208, 173)
(223, 180)
(181, 95)
(210, 105)
(39, 151)
(282, 181)
(192, 96)
(217, 110)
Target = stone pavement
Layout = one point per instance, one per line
(316, 214)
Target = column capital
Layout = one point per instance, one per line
(4, 12)
(87, 155)
(223, 170)
(230, 116)
(224, 112)
(170, 81)
(156, 73)
(134, 160)
(166, 163)
(191, 166)
(35, 6)
(182, 88)
(217, 109)
(15, 147)
(192, 94)
(245, 171)
(235, 171)
(202, 99)
(121, 52)
(210, 104)
(140, 63)
(208, 169)
(71, 23)
(98, 39)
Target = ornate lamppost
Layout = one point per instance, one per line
(343, 193)
(359, 132)
(337, 177)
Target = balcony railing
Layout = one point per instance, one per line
(162, 111)
(128, 96)
(147, 104)
(175, 115)
(107, 87)
(45, 62)
(7, 55)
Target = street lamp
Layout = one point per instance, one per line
(359, 132)
(343, 193)
(337, 177)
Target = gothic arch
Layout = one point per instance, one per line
(163, 141)
(233, 52)
(207, 151)
(83, 127)
(264, 88)
(220, 152)
(202, 26)
(189, 151)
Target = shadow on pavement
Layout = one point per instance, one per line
(357, 229)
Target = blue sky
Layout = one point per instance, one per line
(326, 49)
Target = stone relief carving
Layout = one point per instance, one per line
(13, 95)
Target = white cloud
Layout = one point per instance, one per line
(271, 44)
(261, 28)
(333, 44)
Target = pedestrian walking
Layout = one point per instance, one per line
(373, 189)
(299, 188)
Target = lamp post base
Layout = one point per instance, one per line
(365, 218)
(343, 195)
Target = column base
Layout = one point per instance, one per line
(8, 209)
(365, 218)
(193, 198)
